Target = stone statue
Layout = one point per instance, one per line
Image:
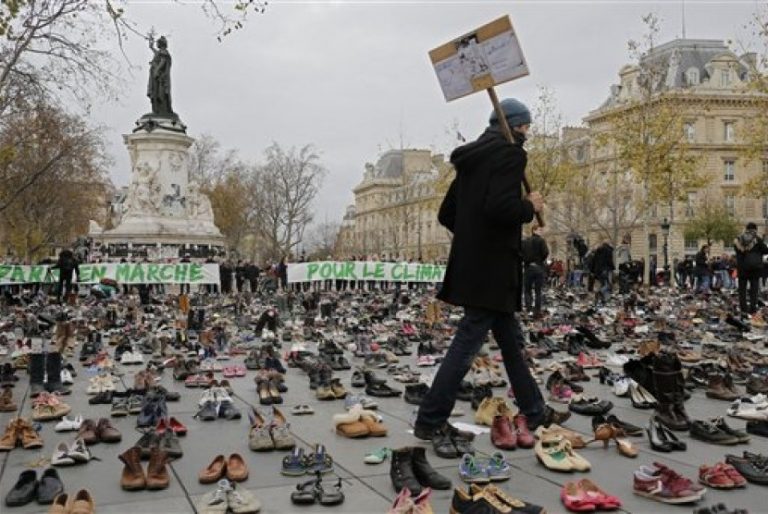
(159, 87)
(198, 203)
(141, 197)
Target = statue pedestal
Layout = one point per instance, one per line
(162, 206)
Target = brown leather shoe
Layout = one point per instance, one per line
(214, 471)
(60, 505)
(237, 469)
(133, 474)
(82, 503)
(157, 472)
(88, 432)
(10, 437)
(29, 437)
(6, 400)
(107, 433)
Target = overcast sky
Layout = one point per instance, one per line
(354, 78)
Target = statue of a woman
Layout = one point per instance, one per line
(159, 87)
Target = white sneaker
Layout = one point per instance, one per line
(215, 502)
(68, 425)
(221, 394)
(66, 377)
(61, 456)
(621, 386)
(209, 395)
(79, 451)
(616, 361)
(744, 408)
(242, 501)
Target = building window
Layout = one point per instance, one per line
(730, 205)
(725, 78)
(690, 132)
(728, 132)
(765, 166)
(652, 242)
(728, 170)
(691, 245)
(765, 208)
(692, 76)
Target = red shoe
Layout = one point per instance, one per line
(524, 437)
(502, 435)
(161, 426)
(601, 499)
(715, 477)
(177, 426)
(582, 360)
(733, 474)
(576, 499)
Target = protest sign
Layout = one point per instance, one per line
(479, 60)
(122, 272)
(482, 59)
(365, 270)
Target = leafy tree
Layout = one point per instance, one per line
(755, 128)
(548, 168)
(643, 135)
(712, 223)
(53, 182)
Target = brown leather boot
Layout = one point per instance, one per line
(718, 389)
(10, 437)
(157, 472)
(6, 401)
(28, 435)
(133, 474)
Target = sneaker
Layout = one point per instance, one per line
(216, 502)
(377, 456)
(68, 425)
(664, 485)
(498, 468)
(61, 456)
(471, 471)
(745, 408)
(242, 501)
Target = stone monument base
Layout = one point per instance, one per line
(162, 205)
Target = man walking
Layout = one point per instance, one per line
(602, 267)
(750, 249)
(535, 253)
(485, 211)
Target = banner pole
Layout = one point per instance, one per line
(508, 134)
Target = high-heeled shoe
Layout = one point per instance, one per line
(606, 432)
(661, 438)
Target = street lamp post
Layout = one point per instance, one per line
(665, 232)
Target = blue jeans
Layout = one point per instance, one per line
(473, 327)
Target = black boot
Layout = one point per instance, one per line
(36, 374)
(669, 387)
(426, 474)
(53, 370)
(401, 471)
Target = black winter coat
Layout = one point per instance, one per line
(485, 211)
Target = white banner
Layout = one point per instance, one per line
(365, 270)
(122, 272)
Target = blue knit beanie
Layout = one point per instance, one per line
(515, 111)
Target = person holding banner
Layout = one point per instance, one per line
(485, 211)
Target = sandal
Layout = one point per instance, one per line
(319, 460)
(332, 497)
(303, 495)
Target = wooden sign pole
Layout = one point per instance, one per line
(508, 134)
